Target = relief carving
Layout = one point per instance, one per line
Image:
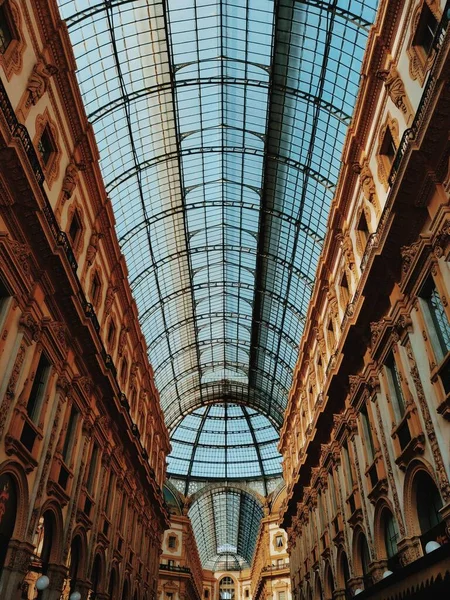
(368, 185)
(10, 390)
(93, 247)
(109, 299)
(30, 326)
(70, 180)
(441, 473)
(38, 82)
(395, 89)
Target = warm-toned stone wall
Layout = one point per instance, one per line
(367, 428)
(82, 436)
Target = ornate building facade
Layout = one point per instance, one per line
(82, 436)
(182, 575)
(366, 434)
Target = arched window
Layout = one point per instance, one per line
(226, 589)
(390, 534)
(8, 510)
(43, 541)
(96, 575)
(364, 554)
(345, 575)
(74, 563)
(112, 585)
(125, 592)
(429, 502)
(329, 583)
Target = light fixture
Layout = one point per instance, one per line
(431, 546)
(387, 573)
(75, 596)
(42, 583)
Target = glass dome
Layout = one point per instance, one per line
(224, 441)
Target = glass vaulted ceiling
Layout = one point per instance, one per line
(220, 125)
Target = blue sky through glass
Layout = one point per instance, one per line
(220, 126)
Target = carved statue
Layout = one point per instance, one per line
(394, 87)
(110, 293)
(93, 247)
(70, 179)
(38, 81)
(122, 339)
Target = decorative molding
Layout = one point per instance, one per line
(12, 59)
(419, 63)
(51, 168)
(38, 82)
(396, 90)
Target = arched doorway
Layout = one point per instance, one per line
(96, 577)
(391, 536)
(112, 585)
(126, 590)
(73, 564)
(428, 505)
(8, 512)
(43, 544)
(329, 582)
(226, 589)
(344, 574)
(363, 556)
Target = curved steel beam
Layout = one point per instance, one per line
(109, 108)
(175, 156)
(229, 248)
(220, 284)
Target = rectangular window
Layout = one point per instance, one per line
(436, 319)
(75, 227)
(370, 448)
(46, 146)
(345, 293)
(172, 541)
(70, 436)
(5, 298)
(395, 388)
(92, 470)
(347, 469)
(363, 230)
(37, 393)
(388, 148)
(279, 541)
(426, 30)
(109, 494)
(95, 288)
(281, 595)
(123, 510)
(321, 513)
(171, 562)
(332, 492)
(6, 32)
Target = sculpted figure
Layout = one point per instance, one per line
(394, 87)
(70, 179)
(93, 247)
(38, 82)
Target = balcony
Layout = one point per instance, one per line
(174, 568)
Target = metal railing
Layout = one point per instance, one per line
(20, 132)
(411, 133)
(175, 568)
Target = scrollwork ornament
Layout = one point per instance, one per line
(22, 252)
(441, 473)
(441, 240)
(392, 484)
(31, 326)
